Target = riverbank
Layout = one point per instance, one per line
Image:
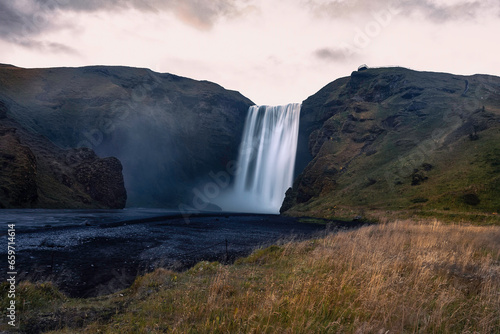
(91, 253)
(404, 276)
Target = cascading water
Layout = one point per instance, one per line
(266, 160)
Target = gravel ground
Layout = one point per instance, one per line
(90, 253)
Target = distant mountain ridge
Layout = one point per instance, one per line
(393, 138)
(169, 132)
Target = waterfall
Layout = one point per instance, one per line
(266, 160)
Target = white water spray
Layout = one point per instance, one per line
(266, 160)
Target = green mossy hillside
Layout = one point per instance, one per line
(396, 139)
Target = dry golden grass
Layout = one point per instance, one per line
(401, 277)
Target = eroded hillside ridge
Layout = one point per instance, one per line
(35, 173)
(169, 132)
(396, 138)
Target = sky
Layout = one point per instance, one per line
(272, 51)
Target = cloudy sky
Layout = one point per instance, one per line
(272, 51)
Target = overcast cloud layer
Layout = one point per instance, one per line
(273, 51)
(437, 11)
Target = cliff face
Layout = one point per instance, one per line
(34, 173)
(392, 138)
(169, 132)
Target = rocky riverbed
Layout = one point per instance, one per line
(94, 252)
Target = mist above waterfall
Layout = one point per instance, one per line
(266, 160)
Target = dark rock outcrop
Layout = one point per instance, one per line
(18, 171)
(169, 132)
(363, 137)
(34, 173)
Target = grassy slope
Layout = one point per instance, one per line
(397, 277)
(353, 172)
